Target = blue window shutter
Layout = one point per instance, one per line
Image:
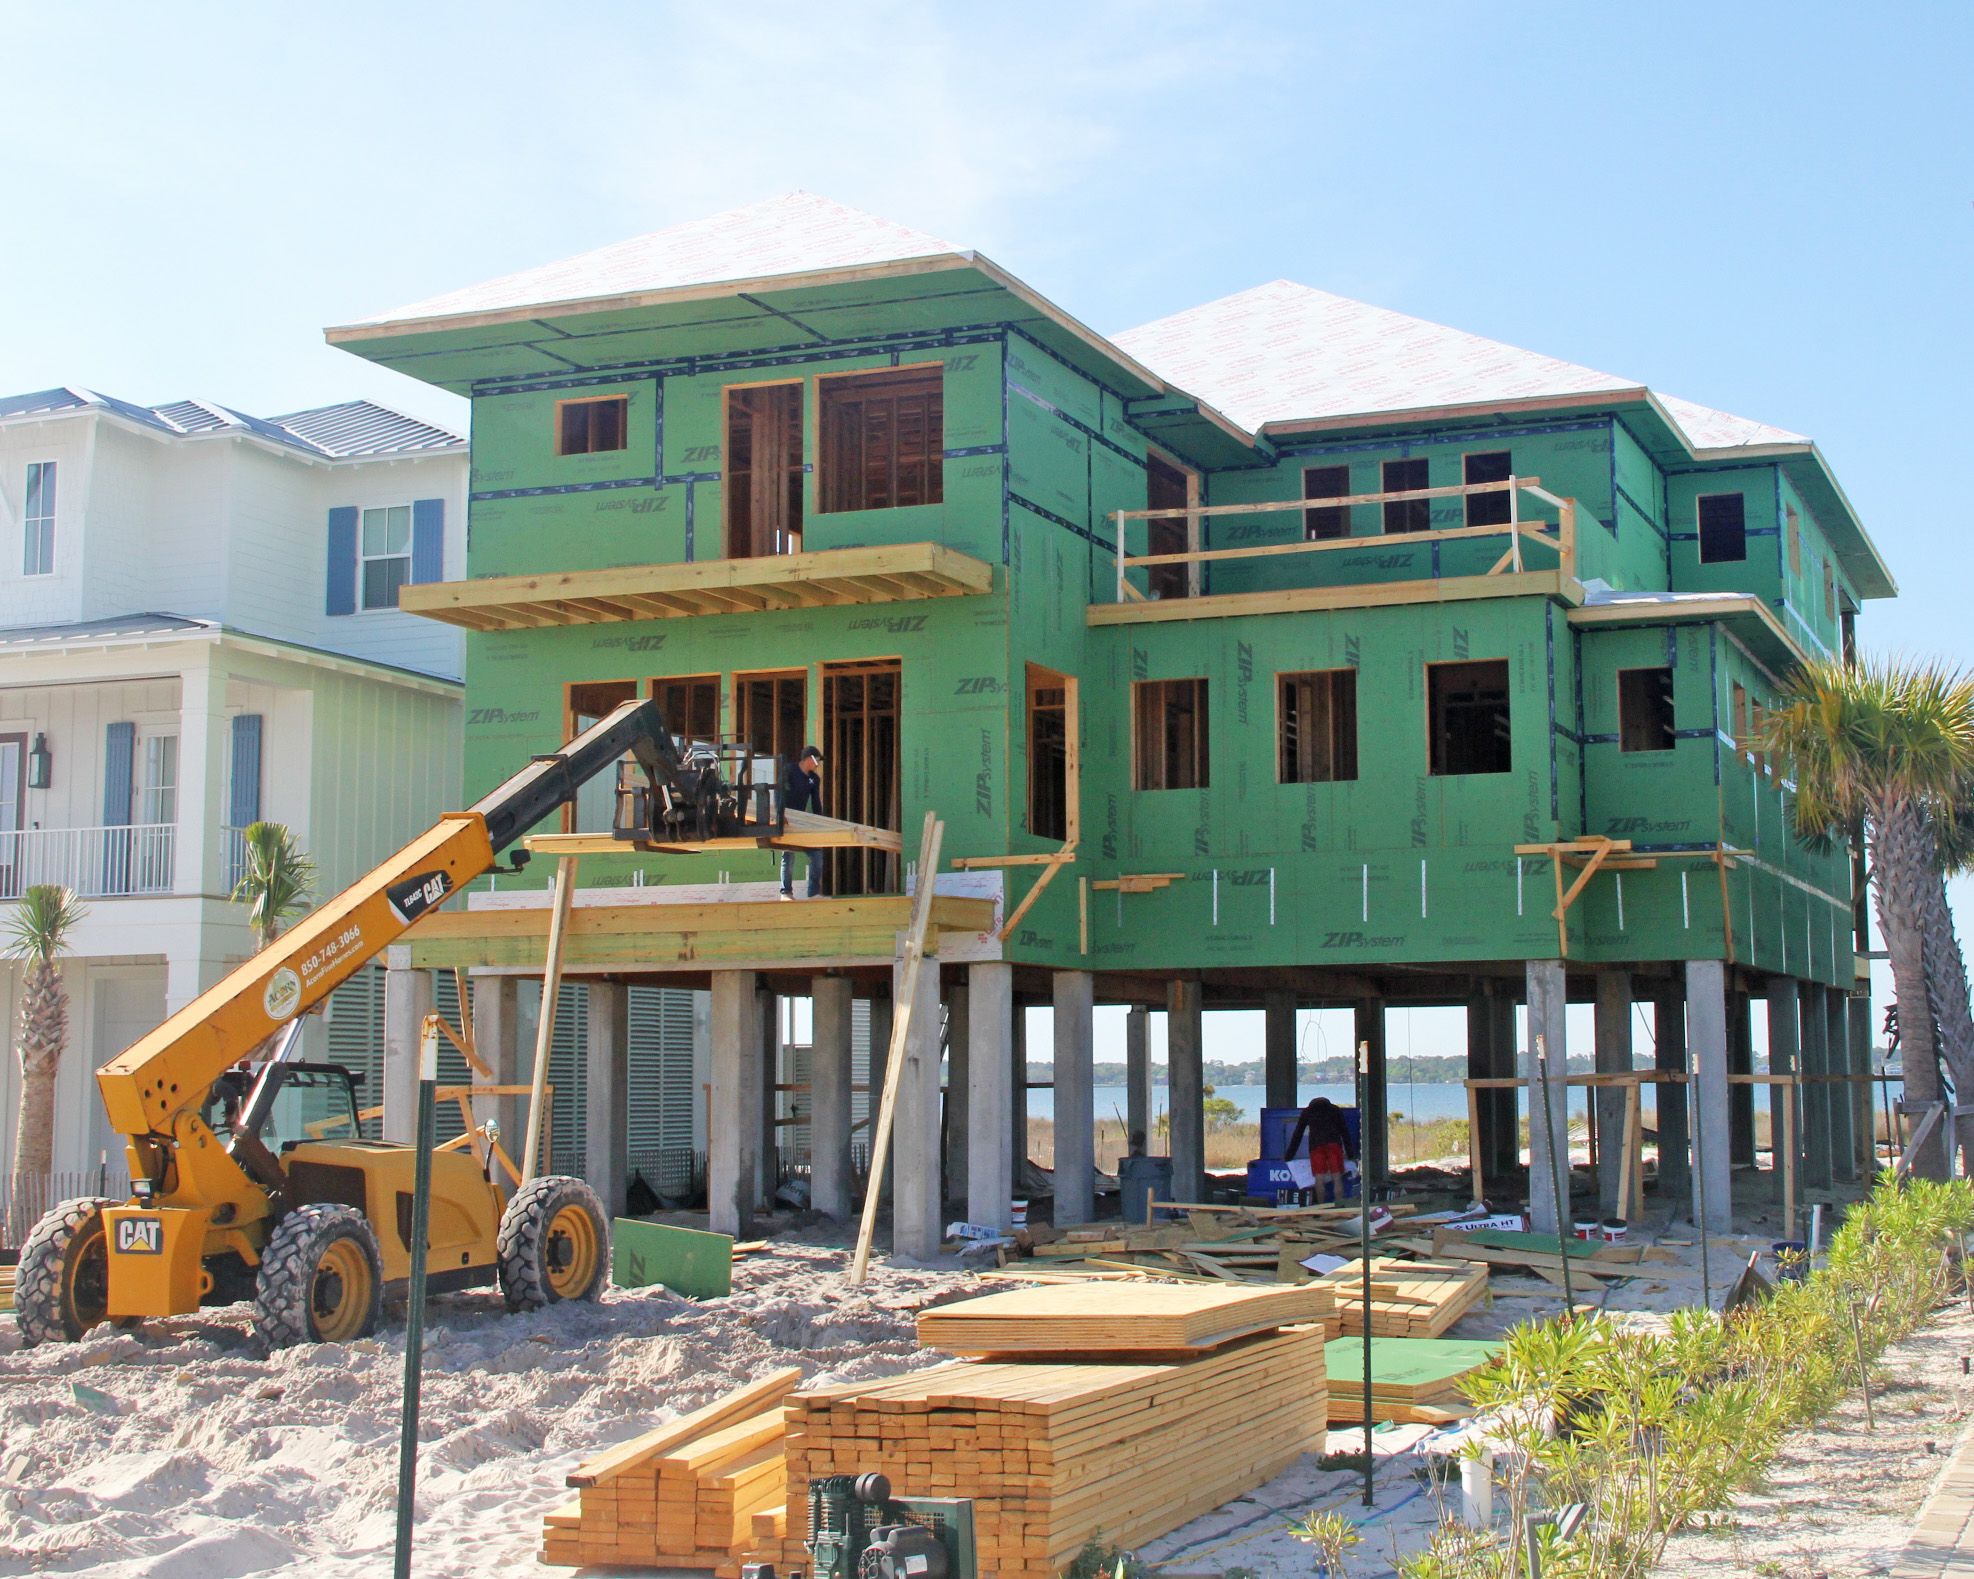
(119, 747)
(428, 540)
(342, 559)
(244, 805)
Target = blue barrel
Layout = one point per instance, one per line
(1277, 1124)
(1141, 1180)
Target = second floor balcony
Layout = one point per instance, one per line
(130, 860)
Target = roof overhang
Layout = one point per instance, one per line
(1747, 619)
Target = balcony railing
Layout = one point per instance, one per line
(97, 863)
(1553, 541)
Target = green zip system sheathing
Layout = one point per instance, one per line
(1396, 866)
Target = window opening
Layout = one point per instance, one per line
(1468, 711)
(1407, 515)
(591, 427)
(1318, 726)
(1645, 709)
(38, 520)
(1167, 488)
(1171, 726)
(860, 769)
(1051, 725)
(1488, 509)
(1723, 528)
(690, 706)
(764, 471)
(384, 555)
(1321, 521)
(596, 802)
(883, 439)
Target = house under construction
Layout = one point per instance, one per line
(1286, 652)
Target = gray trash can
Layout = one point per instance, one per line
(1141, 1180)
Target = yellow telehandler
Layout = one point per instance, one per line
(258, 1184)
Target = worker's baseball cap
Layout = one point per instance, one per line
(810, 751)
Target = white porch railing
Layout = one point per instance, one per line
(233, 853)
(97, 863)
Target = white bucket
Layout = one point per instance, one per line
(1018, 1214)
(1613, 1230)
(1586, 1228)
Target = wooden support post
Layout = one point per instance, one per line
(551, 987)
(911, 957)
(1185, 1072)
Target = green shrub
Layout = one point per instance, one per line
(1651, 1430)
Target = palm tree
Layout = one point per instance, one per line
(1889, 744)
(277, 880)
(38, 932)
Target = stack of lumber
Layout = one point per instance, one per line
(1413, 1380)
(1214, 1244)
(683, 1496)
(1409, 1299)
(1543, 1254)
(1054, 1454)
(1098, 1319)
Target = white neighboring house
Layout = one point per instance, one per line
(198, 628)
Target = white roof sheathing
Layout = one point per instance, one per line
(1284, 352)
(794, 233)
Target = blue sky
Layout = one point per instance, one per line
(1761, 207)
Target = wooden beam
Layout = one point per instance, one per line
(551, 986)
(1061, 859)
(1446, 589)
(911, 960)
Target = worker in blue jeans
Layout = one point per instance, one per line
(801, 790)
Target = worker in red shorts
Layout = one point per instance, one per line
(1330, 1146)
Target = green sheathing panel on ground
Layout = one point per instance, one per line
(685, 1260)
(1406, 1362)
(1757, 575)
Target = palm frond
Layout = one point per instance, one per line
(277, 878)
(39, 926)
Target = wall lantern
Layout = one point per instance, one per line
(40, 764)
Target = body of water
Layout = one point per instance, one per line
(1414, 1101)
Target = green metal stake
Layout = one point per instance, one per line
(1364, 1258)
(414, 1326)
(1556, 1191)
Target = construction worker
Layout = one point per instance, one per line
(801, 790)
(1331, 1149)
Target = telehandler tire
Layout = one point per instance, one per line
(321, 1278)
(62, 1285)
(554, 1244)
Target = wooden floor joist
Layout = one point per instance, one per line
(820, 578)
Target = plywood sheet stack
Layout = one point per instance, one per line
(1409, 1299)
(1055, 1454)
(683, 1496)
(1169, 1320)
(1413, 1380)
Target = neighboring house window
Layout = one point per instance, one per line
(38, 551)
(1723, 528)
(1645, 709)
(384, 555)
(591, 427)
(1467, 706)
(158, 791)
(1488, 509)
(1170, 718)
(1318, 727)
(1407, 515)
(1321, 521)
(883, 439)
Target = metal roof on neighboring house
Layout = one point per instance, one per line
(119, 625)
(354, 429)
(793, 233)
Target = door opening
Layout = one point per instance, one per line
(860, 768)
(764, 471)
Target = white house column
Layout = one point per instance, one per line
(829, 1097)
(1076, 1161)
(733, 1161)
(990, 1095)
(408, 998)
(607, 1079)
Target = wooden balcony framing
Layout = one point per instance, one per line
(821, 578)
(1511, 574)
